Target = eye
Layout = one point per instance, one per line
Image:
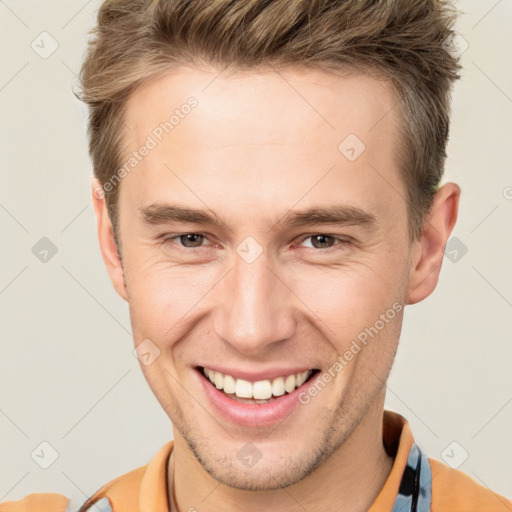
(188, 240)
(323, 241)
(195, 240)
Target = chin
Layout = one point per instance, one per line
(268, 476)
(271, 468)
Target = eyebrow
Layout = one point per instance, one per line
(336, 214)
(157, 214)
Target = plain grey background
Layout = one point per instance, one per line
(68, 374)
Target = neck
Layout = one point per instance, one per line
(348, 481)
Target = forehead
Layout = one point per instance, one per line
(248, 129)
(268, 105)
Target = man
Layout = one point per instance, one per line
(267, 197)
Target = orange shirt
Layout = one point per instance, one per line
(415, 484)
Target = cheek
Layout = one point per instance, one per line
(344, 301)
(162, 295)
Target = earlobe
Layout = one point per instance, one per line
(107, 241)
(437, 228)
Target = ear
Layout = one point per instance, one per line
(429, 250)
(106, 239)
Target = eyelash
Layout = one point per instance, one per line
(341, 241)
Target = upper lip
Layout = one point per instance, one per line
(253, 376)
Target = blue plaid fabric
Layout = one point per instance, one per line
(415, 492)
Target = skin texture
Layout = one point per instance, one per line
(257, 145)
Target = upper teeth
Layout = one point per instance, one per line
(261, 389)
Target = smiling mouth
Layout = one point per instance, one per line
(258, 392)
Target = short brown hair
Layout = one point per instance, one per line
(409, 42)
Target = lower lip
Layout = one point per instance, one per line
(253, 415)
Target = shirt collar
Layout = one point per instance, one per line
(153, 488)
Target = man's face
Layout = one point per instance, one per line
(261, 297)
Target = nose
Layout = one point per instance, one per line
(255, 307)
